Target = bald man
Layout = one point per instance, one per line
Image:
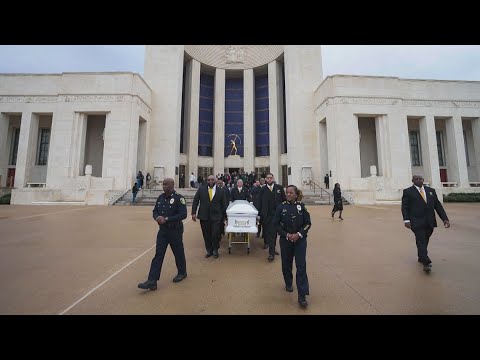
(211, 213)
(169, 211)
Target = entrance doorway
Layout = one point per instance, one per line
(181, 176)
(234, 170)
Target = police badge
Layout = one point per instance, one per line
(172, 200)
(299, 208)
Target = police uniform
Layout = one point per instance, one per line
(291, 218)
(174, 209)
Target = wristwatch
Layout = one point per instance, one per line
(166, 219)
(300, 235)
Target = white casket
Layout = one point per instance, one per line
(242, 217)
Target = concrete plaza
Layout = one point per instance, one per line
(89, 260)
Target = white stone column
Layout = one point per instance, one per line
(323, 151)
(400, 164)
(303, 74)
(248, 120)
(121, 139)
(192, 113)
(428, 141)
(476, 143)
(61, 148)
(4, 150)
(332, 148)
(78, 136)
(26, 148)
(345, 139)
(273, 120)
(219, 123)
(457, 161)
(281, 113)
(382, 146)
(135, 148)
(164, 74)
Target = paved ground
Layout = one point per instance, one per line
(88, 260)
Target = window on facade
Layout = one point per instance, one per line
(415, 148)
(44, 143)
(466, 147)
(440, 149)
(14, 148)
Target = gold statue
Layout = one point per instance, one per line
(233, 144)
(234, 147)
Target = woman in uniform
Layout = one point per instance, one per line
(293, 222)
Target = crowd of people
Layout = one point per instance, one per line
(281, 214)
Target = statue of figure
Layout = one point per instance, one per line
(234, 147)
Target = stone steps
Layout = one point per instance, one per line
(388, 202)
(149, 197)
(59, 203)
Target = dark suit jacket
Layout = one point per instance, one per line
(210, 210)
(255, 192)
(417, 211)
(226, 193)
(269, 200)
(243, 195)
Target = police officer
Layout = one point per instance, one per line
(293, 222)
(169, 211)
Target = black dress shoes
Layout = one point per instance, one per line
(427, 268)
(215, 254)
(148, 285)
(179, 278)
(289, 288)
(208, 255)
(302, 301)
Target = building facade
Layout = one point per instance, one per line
(81, 137)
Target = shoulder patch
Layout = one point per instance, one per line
(182, 200)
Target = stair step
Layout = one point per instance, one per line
(59, 203)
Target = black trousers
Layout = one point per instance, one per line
(422, 236)
(164, 238)
(211, 234)
(297, 250)
(269, 234)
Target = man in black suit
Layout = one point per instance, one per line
(419, 204)
(271, 196)
(240, 192)
(213, 206)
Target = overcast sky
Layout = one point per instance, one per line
(445, 62)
